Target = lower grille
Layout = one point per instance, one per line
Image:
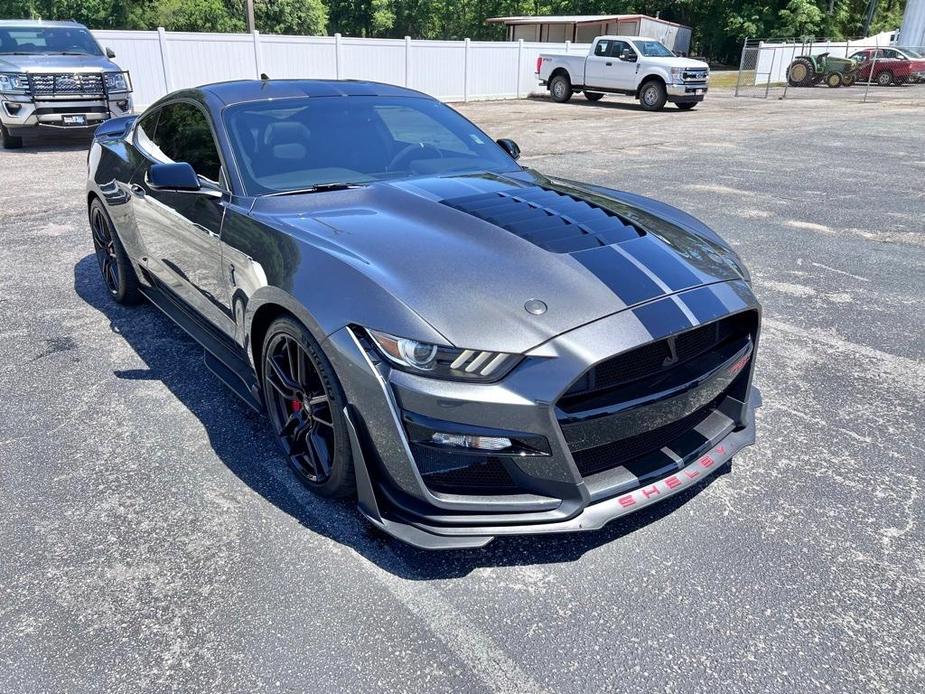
(453, 473)
(47, 110)
(593, 460)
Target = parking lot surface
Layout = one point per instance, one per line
(153, 539)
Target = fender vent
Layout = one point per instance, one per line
(554, 221)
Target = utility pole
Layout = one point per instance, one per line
(250, 16)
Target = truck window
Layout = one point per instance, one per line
(600, 49)
(617, 48)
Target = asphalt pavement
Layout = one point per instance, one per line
(152, 538)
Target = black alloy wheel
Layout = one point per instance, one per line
(305, 404)
(115, 266)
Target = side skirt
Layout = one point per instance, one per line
(222, 357)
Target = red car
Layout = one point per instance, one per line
(886, 66)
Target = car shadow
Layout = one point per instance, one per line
(241, 439)
(53, 141)
(615, 102)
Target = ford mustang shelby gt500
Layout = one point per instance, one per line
(472, 348)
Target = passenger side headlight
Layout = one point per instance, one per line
(116, 82)
(437, 361)
(14, 83)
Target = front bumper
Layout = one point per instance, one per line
(554, 493)
(22, 112)
(687, 92)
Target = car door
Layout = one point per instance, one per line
(598, 65)
(180, 230)
(623, 71)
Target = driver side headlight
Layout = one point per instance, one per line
(437, 361)
(14, 83)
(116, 82)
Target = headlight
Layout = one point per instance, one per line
(437, 361)
(116, 82)
(677, 74)
(14, 83)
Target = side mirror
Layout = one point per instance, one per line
(110, 53)
(510, 147)
(177, 176)
(628, 55)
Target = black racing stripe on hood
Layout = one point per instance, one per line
(662, 318)
(663, 262)
(554, 221)
(621, 275)
(704, 304)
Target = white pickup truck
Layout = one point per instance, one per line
(638, 67)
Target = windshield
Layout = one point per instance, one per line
(47, 40)
(653, 49)
(912, 54)
(294, 144)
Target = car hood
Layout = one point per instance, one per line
(468, 252)
(57, 63)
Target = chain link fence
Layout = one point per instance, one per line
(844, 70)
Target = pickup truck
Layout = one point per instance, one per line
(639, 67)
(55, 75)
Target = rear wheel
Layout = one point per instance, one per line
(115, 266)
(593, 96)
(653, 96)
(561, 89)
(9, 141)
(885, 78)
(833, 80)
(305, 403)
(687, 105)
(801, 73)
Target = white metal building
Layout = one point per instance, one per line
(912, 32)
(583, 28)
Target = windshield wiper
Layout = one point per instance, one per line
(68, 53)
(318, 188)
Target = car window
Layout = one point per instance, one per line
(600, 49)
(410, 126)
(653, 49)
(183, 134)
(144, 134)
(616, 50)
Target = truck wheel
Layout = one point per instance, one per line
(653, 96)
(833, 80)
(561, 89)
(9, 141)
(593, 96)
(885, 78)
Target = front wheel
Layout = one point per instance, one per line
(9, 141)
(115, 266)
(560, 88)
(305, 403)
(653, 96)
(833, 80)
(593, 96)
(687, 105)
(885, 78)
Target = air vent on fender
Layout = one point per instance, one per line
(553, 221)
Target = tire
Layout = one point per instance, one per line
(593, 96)
(561, 89)
(833, 80)
(885, 78)
(305, 404)
(653, 96)
(687, 105)
(849, 79)
(801, 73)
(115, 267)
(9, 141)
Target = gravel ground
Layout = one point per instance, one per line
(152, 538)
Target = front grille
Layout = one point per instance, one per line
(658, 357)
(695, 75)
(454, 473)
(616, 453)
(54, 83)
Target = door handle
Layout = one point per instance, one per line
(137, 190)
(608, 64)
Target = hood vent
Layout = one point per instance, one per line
(554, 221)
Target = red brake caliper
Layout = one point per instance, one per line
(296, 405)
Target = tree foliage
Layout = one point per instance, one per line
(719, 25)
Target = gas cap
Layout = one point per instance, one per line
(535, 306)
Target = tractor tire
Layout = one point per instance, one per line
(801, 73)
(594, 96)
(833, 80)
(885, 78)
(848, 79)
(561, 89)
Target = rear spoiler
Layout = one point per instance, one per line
(113, 128)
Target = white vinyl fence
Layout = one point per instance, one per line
(161, 61)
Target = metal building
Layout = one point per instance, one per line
(912, 31)
(583, 28)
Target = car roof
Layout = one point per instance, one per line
(620, 37)
(239, 91)
(38, 23)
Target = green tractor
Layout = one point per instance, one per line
(810, 70)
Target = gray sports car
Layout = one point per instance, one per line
(470, 347)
